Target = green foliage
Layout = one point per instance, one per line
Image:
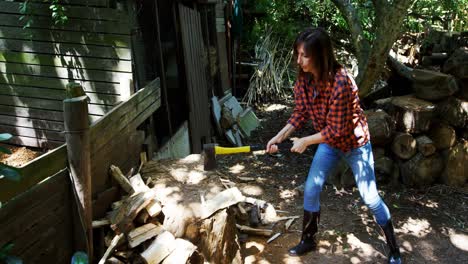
(5, 256)
(6, 171)
(57, 12)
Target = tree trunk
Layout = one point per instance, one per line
(381, 127)
(411, 114)
(404, 145)
(422, 171)
(432, 85)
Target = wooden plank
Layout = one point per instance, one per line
(161, 247)
(25, 112)
(55, 83)
(65, 49)
(143, 233)
(63, 72)
(54, 94)
(119, 117)
(61, 36)
(89, 3)
(31, 122)
(76, 25)
(34, 172)
(66, 61)
(35, 142)
(32, 197)
(71, 11)
(94, 109)
(31, 132)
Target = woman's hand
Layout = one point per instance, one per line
(299, 145)
(271, 146)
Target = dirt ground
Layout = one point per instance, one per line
(430, 224)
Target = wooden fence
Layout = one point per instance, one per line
(40, 214)
(92, 48)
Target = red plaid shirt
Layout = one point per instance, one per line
(333, 109)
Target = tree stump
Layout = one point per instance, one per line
(442, 135)
(432, 85)
(456, 168)
(381, 127)
(404, 145)
(422, 171)
(218, 239)
(425, 145)
(411, 114)
(454, 111)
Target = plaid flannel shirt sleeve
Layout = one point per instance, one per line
(300, 114)
(339, 115)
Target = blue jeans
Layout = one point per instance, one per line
(361, 162)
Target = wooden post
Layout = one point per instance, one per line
(75, 112)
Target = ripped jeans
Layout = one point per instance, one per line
(361, 162)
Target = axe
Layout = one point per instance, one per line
(211, 150)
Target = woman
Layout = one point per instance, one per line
(326, 94)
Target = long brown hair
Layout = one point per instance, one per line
(318, 45)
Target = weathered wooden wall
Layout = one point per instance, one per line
(39, 222)
(92, 48)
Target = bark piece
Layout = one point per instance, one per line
(143, 233)
(421, 171)
(255, 231)
(123, 217)
(222, 200)
(111, 247)
(425, 145)
(184, 249)
(411, 114)
(404, 145)
(454, 111)
(121, 179)
(432, 85)
(218, 239)
(456, 168)
(381, 127)
(161, 247)
(443, 136)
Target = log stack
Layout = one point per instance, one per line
(174, 212)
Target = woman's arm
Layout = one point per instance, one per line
(301, 144)
(282, 135)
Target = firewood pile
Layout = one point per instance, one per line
(418, 121)
(174, 212)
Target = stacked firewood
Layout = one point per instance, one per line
(419, 137)
(146, 227)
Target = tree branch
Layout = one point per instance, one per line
(354, 23)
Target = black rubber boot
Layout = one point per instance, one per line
(394, 255)
(309, 229)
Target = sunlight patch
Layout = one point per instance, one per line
(291, 260)
(252, 190)
(417, 227)
(364, 250)
(460, 241)
(236, 169)
(275, 107)
(257, 248)
(285, 194)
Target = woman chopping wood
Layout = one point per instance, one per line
(325, 93)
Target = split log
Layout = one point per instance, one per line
(456, 168)
(454, 111)
(425, 145)
(123, 217)
(422, 171)
(183, 250)
(288, 224)
(111, 247)
(101, 223)
(275, 236)
(269, 216)
(443, 135)
(218, 239)
(222, 200)
(411, 114)
(381, 127)
(161, 247)
(457, 64)
(432, 85)
(255, 231)
(384, 165)
(142, 217)
(137, 183)
(121, 179)
(143, 233)
(176, 218)
(154, 208)
(404, 145)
